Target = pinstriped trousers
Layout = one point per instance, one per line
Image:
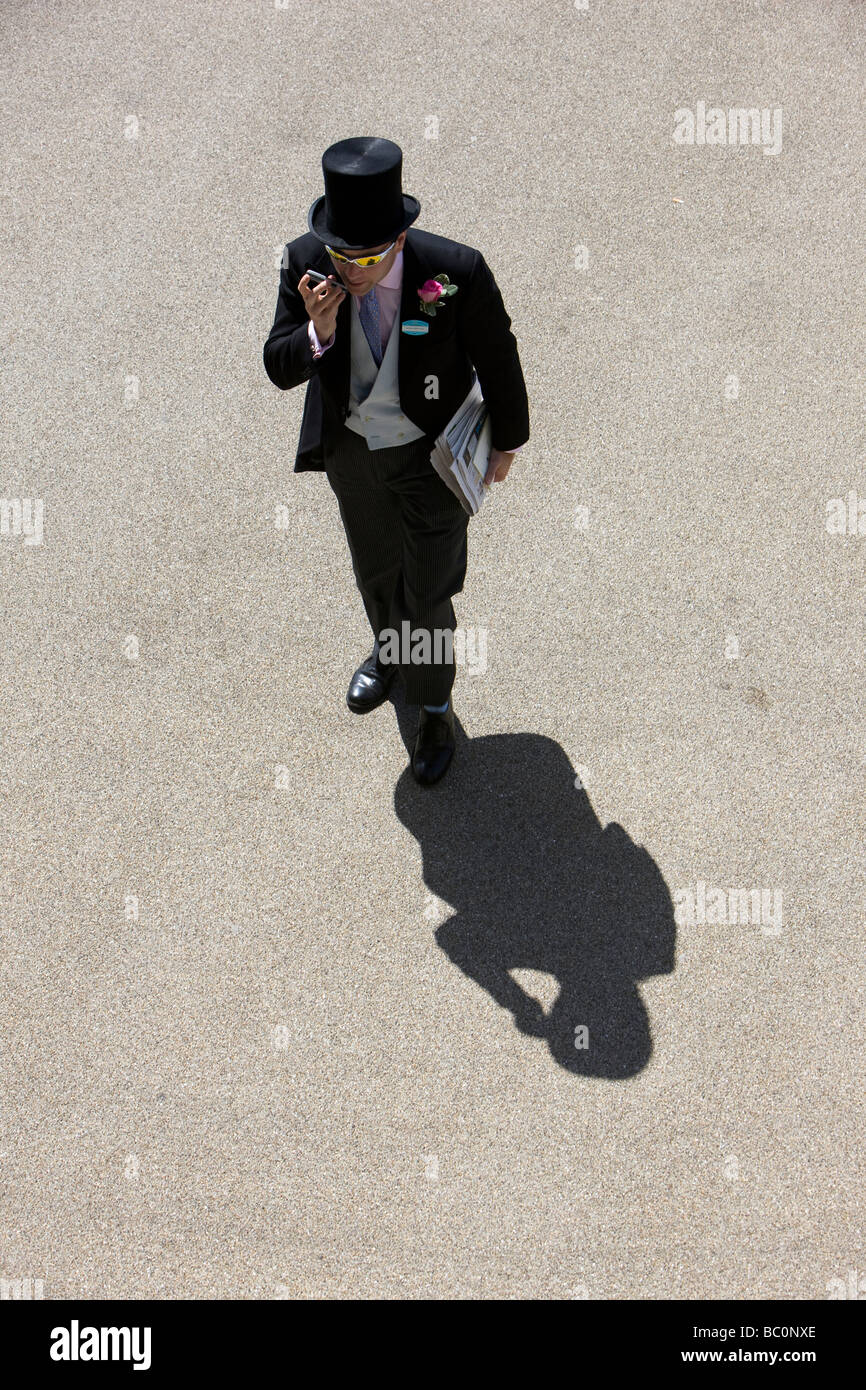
(407, 538)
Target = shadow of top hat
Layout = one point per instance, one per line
(363, 203)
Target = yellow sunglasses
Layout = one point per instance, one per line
(361, 261)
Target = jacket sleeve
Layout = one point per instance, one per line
(288, 352)
(486, 330)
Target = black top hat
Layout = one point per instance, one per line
(363, 204)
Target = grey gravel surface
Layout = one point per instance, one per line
(278, 1022)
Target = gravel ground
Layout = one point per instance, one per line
(280, 1023)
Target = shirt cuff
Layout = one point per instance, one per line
(318, 348)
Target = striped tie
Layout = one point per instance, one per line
(368, 311)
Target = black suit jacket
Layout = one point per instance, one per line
(472, 329)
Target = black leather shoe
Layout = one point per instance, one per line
(370, 685)
(434, 746)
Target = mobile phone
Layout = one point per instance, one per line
(316, 278)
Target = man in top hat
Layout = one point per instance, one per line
(384, 377)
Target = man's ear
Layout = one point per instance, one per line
(401, 241)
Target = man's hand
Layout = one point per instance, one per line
(497, 469)
(322, 302)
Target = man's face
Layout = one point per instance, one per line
(360, 281)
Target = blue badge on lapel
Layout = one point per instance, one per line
(415, 327)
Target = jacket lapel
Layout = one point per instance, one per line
(414, 275)
(336, 360)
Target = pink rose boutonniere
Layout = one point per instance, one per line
(433, 294)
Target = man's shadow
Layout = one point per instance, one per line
(537, 883)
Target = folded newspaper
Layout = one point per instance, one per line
(461, 453)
